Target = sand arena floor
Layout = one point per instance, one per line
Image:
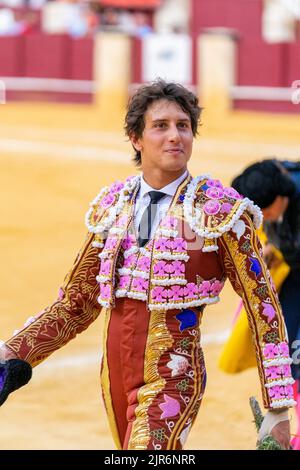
(54, 159)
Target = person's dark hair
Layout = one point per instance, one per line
(262, 182)
(158, 90)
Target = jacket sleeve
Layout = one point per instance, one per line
(241, 254)
(74, 310)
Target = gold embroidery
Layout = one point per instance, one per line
(158, 341)
(190, 413)
(65, 318)
(106, 387)
(236, 268)
(273, 296)
(248, 284)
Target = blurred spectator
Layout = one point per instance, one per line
(278, 22)
(75, 19)
(36, 4)
(27, 21)
(12, 3)
(17, 22)
(173, 14)
(127, 22)
(142, 28)
(110, 18)
(7, 22)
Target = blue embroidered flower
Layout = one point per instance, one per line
(255, 266)
(204, 187)
(187, 319)
(181, 198)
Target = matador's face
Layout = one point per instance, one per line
(167, 140)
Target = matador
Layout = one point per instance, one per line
(154, 288)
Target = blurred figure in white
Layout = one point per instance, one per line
(7, 22)
(280, 20)
(60, 17)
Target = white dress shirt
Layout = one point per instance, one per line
(143, 200)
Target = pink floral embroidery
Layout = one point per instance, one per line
(277, 392)
(231, 192)
(174, 293)
(105, 268)
(110, 243)
(268, 311)
(160, 268)
(169, 268)
(105, 290)
(273, 372)
(283, 349)
(286, 370)
(216, 287)
(205, 288)
(161, 244)
(214, 193)
(191, 290)
(226, 207)
(178, 268)
(170, 407)
(270, 351)
(140, 284)
(107, 201)
(211, 207)
(144, 263)
(130, 261)
(179, 244)
(116, 187)
(128, 242)
(214, 183)
(124, 282)
(289, 391)
(158, 294)
(169, 222)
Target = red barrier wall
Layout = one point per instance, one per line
(260, 64)
(292, 63)
(136, 60)
(81, 59)
(37, 55)
(47, 56)
(243, 15)
(49, 97)
(12, 62)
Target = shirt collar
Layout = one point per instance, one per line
(170, 189)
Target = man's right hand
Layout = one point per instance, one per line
(14, 373)
(6, 353)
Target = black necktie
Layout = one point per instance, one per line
(148, 217)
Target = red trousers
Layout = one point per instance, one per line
(153, 375)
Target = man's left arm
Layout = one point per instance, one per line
(242, 258)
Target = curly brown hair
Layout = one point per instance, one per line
(158, 90)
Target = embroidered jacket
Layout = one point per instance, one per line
(207, 236)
